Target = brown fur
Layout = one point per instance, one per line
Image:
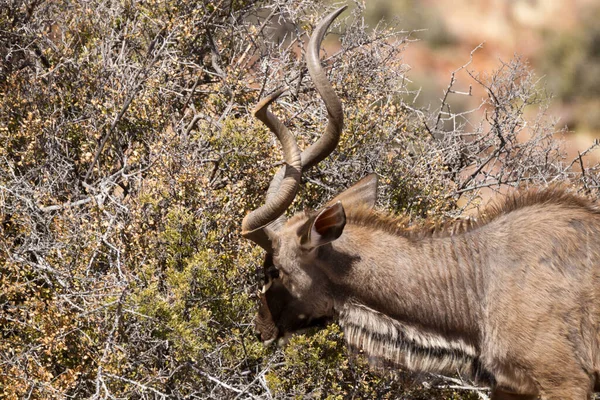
(401, 225)
(511, 297)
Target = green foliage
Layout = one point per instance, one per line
(128, 159)
(333, 374)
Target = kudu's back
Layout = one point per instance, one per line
(540, 288)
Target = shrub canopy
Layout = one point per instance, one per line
(129, 157)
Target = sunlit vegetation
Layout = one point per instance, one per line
(129, 156)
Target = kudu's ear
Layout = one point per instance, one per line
(363, 192)
(327, 226)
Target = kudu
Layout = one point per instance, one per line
(512, 300)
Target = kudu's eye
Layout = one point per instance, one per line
(271, 271)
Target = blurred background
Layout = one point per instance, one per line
(559, 39)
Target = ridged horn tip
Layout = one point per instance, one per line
(264, 103)
(328, 142)
(323, 25)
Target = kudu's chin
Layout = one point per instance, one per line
(282, 337)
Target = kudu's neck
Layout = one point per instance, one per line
(431, 283)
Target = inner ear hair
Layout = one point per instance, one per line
(324, 227)
(330, 222)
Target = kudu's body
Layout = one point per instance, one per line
(512, 299)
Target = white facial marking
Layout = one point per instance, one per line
(266, 286)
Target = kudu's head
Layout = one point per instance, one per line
(297, 294)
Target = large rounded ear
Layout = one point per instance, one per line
(362, 193)
(324, 228)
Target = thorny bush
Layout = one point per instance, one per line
(128, 159)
